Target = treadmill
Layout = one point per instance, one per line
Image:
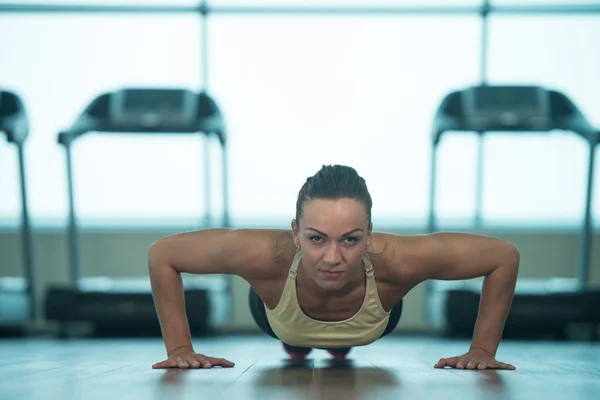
(17, 294)
(541, 307)
(124, 307)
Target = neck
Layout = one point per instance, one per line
(310, 286)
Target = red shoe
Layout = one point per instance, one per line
(340, 354)
(295, 354)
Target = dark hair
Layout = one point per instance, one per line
(333, 182)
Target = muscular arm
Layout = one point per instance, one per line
(212, 251)
(455, 256)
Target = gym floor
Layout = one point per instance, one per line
(394, 368)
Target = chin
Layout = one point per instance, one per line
(331, 283)
(331, 286)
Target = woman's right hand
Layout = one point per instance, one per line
(189, 359)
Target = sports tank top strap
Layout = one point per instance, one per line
(294, 268)
(368, 265)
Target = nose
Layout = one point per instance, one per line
(332, 254)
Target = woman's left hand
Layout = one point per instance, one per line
(475, 359)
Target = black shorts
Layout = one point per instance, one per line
(257, 308)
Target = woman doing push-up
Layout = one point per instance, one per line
(330, 282)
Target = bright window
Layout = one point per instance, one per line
(346, 3)
(104, 2)
(300, 92)
(544, 2)
(297, 92)
(59, 63)
(540, 178)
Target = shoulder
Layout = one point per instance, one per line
(401, 258)
(444, 255)
(248, 253)
(259, 253)
(440, 255)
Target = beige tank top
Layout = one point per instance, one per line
(295, 328)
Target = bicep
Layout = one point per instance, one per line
(466, 256)
(212, 251)
(452, 256)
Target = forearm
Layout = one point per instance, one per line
(167, 290)
(496, 298)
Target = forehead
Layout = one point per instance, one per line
(334, 215)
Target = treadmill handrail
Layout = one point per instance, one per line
(207, 120)
(565, 115)
(210, 123)
(14, 123)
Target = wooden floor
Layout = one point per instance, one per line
(393, 368)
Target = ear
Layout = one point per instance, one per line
(295, 228)
(369, 232)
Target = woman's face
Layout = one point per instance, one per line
(333, 235)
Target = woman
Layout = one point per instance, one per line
(331, 282)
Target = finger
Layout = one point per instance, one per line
(182, 363)
(471, 365)
(165, 364)
(192, 362)
(506, 366)
(199, 361)
(441, 363)
(203, 362)
(499, 365)
(446, 362)
(461, 364)
(220, 362)
(481, 365)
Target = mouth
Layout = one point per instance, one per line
(332, 274)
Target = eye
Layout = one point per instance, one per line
(351, 240)
(315, 238)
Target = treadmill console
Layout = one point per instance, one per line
(506, 108)
(169, 109)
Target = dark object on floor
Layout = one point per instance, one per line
(124, 306)
(17, 293)
(540, 306)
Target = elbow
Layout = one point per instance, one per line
(514, 256)
(506, 260)
(159, 259)
(512, 260)
(155, 253)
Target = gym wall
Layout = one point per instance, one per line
(117, 253)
